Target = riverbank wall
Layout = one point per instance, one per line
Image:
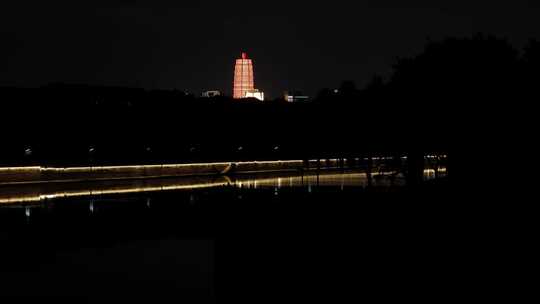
(38, 174)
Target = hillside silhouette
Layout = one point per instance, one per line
(458, 96)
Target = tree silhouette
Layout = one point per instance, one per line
(447, 98)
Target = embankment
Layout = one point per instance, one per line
(37, 174)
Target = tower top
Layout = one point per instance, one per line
(244, 55)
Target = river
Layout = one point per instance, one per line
(250, 236)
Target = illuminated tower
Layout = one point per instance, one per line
(243, 77)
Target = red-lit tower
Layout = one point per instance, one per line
(243, 77)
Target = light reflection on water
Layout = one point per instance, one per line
(35, 194)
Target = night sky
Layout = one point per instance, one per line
(297, 45)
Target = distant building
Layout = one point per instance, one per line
(295, 96)
(243, 77)
(254, 94)
(208, 94)
(244, 83)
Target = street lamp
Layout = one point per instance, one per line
(148, 152)
(91, 152)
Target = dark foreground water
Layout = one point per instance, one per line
(337, 237)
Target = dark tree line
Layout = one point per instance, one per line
(452, 97)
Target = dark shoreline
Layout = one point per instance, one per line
(39, 174)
